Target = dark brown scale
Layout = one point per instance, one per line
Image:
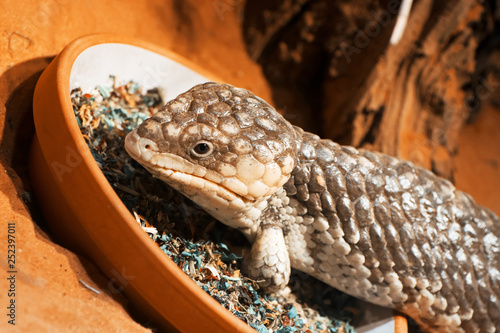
(398, 255)
(427, 258)
(290, 187)
(355, 184)
(197, 107)
(494, 309)
(458, 283)
(317, 180)
(458, 287)
(324, 155)
(302, 192)
(410, 207)
(376, 277)
(382, 211)
(377, 238)
(307, 153)
(406, 236)
(386, 261)
(366, 247)
(301, 209)
(412, 294)
(363, 210)
(344, 161)
(472, 291)
(223, 94)
(375, 185)
(253, 111)
(333, 220)
(314, 203)
(242, 93)
(219, 109)
(346, 215)
(244, 120)
(302, 174)
(448, 291)
(209, 119)
(471, 326)
(327, 202)
(335, 182)
(253, 133)
(205, 96)
(415, 258)
(150, 129)
(184, 118)
(162, 117)
(440, 265)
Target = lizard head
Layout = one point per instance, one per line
(222, 147)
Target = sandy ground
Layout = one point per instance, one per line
(50, 295)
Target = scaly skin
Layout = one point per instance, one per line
(373, 226)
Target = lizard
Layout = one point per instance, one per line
(373, 226)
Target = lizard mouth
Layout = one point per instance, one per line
(196, 182)
(194, 186)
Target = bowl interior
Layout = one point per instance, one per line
(127, 62)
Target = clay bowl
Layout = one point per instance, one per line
(82, 209)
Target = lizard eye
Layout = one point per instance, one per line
(202, 149)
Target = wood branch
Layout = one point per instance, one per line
(419, 86)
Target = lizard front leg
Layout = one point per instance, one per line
(268, 260)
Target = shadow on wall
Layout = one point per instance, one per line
(301, 44)
(19, 127)
(274, 35)
(15, 146)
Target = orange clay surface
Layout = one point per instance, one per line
(478, 161)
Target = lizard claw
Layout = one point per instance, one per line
(268, 261)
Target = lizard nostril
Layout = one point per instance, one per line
(147, 147)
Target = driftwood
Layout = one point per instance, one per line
(334, 71)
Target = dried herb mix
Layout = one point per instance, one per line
(189, 236)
